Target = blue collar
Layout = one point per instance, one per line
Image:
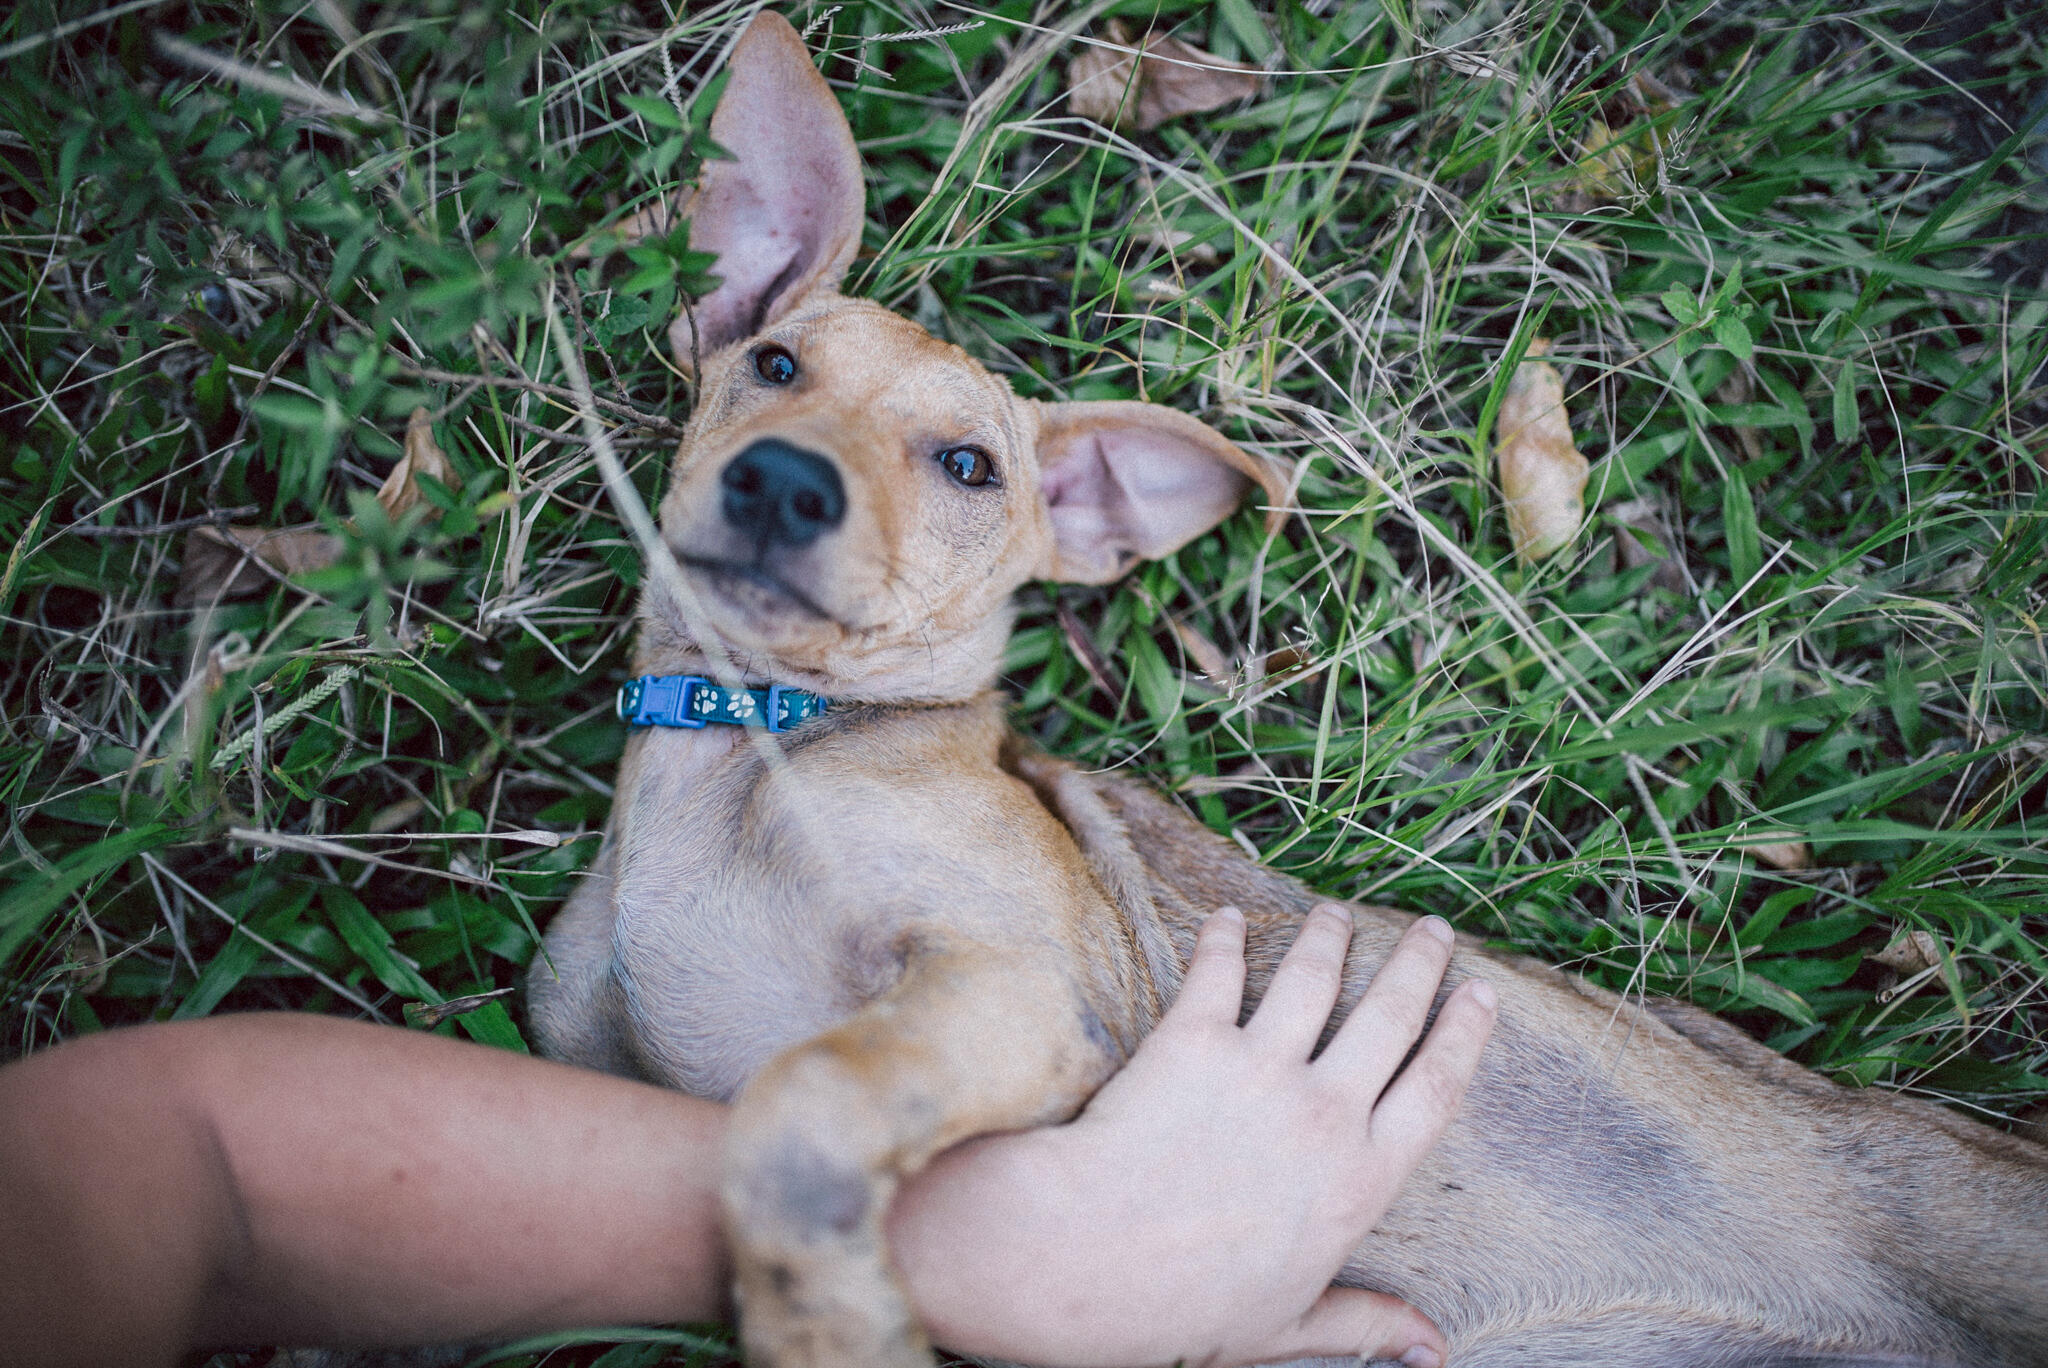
(691, 701)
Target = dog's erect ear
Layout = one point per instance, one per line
(784, 214)
(1127, 482)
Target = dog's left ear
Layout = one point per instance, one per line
(1126, 481)
(784, 214)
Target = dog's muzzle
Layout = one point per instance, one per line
(779, 494)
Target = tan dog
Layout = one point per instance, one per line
(912, 929)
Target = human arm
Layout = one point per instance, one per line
(304, 1180)
(294, 1179)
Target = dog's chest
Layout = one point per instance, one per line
(733, 939)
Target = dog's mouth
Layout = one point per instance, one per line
(724, 573)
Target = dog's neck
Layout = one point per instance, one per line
(948, 667)
(666, 767)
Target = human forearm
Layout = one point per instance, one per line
(305, 1180)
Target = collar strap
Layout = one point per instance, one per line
(691, 701)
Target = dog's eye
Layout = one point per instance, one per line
(775, 365)
(969, 465)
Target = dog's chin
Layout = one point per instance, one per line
(755, 609)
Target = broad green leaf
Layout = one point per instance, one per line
(1818, 934)
(371, 943)
(1769, 917)
(1244, 25)
(1732, 333)
(1738, 524)
(658, 112)
(1753, 988)
(1848, 424)
(492, 1025)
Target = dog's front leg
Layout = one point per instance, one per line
(970, 1040)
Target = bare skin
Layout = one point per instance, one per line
(286, 1179)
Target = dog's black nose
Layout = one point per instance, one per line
(782, 493)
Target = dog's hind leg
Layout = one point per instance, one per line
(573, 1001)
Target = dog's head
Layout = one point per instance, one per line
(856, 501)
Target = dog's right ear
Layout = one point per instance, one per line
(784, 215)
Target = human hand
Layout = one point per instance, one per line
(1199, 1207)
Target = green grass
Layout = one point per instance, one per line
(1799, 315)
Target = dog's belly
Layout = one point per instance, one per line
(712, 994)
(705, 1012)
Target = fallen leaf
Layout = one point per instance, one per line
(400, 813)
(1178, 242)
(1542, 475)
(1616, 165)
(1205, 654)
(1737, 389)
(1289, 664)
(1915, 958)
(235, 562)
(1172, 78)
(1909, 953)
(1783, 854)
(86, 959)
(423, 456)
(1606, 169)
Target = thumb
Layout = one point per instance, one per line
(1370, 1325)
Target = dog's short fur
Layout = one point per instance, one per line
(913, 928)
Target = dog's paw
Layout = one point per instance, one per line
(821, 1306)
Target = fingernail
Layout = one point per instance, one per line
(1484, 995)
(1228, 913)
(1336, 910)
(1438, 927)
(1422, 1356)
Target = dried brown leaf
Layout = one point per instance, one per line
(423, 456)
(1738, 389)
(1178, 243)
(1909, 953)
(236, 562)
(425, 1016)
(1783, 854)
(1614, 165)
(1205, 654)
(1172, 78)
(1542, 474)
(1287, 664)
(1643, 536)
